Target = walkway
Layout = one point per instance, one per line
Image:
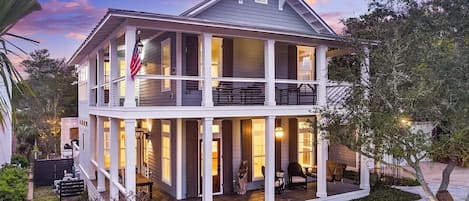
(459, 181)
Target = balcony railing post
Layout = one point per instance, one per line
(91, 80)
(207, 94)
(114, 72)
(130, 38)
(269, 69)
(100, 77)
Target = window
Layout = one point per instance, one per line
(305, 143)
(258, 148)
(217, 60)
(262, 1)
(306, 64)
(166, 151)
(166, 64)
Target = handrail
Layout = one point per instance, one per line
(169, 77)
(239, 79)
(287, 81)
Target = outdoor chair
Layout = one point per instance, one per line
(335, 171)
(296, 176)
(279, 180)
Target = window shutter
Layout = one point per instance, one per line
(227, 132)
(293, 139)
(192, 141)
(246, 144)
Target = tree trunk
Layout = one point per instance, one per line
(421, 179)
(446, 175)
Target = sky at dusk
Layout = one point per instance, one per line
(62, 25)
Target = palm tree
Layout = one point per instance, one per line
(11, 11)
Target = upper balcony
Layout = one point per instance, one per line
(187, 69)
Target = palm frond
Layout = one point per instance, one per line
(11, 11)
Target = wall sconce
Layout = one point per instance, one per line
(279, 132)
(278, 128)
(140, 45)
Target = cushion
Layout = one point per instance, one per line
(298, 179)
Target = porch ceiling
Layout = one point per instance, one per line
(113, 20)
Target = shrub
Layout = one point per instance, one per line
(20, 160)
(13, 183)
(384, 193)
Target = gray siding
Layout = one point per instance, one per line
(150, 90)
(154, 157)
(256, 14)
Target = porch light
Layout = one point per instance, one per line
(140, 45)
(279, 132)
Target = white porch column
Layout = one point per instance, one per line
(207, 96)
(90, 145)
(114, 73)
(365, 78)
(178, 68)
(130, 39)
(100, 152)
(130, 175)
(114, 152)
(321, 68)
(364, 173)
(207, 183)
(100, 77)
(269, 158)
(91, 80)
(179, 160)
(269, 70)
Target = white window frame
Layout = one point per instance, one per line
(312, 151)
(301, 72)
(165, 67)
(166, 134)
(254, 178)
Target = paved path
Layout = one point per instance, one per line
(459, 181)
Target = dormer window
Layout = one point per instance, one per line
(262, 1)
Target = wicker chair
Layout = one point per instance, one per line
(279, 180)
(296, 176)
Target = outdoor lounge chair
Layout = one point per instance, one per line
(296, 176)
(335, 171)
(279, 180)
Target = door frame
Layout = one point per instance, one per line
(216, 136)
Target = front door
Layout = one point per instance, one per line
(216, 166)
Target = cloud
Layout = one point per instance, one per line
(314, 2)
(333, 20)
(75, 35)
(71, 17)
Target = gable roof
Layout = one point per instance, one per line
(299, 6)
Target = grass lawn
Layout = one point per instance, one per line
(44, 193)
(389, 194)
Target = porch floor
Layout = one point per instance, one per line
(295, 194)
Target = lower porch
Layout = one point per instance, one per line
(169, 153)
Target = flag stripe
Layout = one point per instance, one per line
(136, 62)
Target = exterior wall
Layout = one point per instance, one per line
(65, 125)
(257, 14)
(150, 93)
(6, 135)
(248, 58)
(154, 157)
(341, 154)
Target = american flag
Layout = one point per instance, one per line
(136, 62)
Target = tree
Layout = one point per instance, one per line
(419, 72)
(55, 84)
(11, 11)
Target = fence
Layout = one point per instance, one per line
(46, 171)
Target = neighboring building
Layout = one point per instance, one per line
(68, 132)
(231, 72)
(6, 134)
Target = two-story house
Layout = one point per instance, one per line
(248, 76)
